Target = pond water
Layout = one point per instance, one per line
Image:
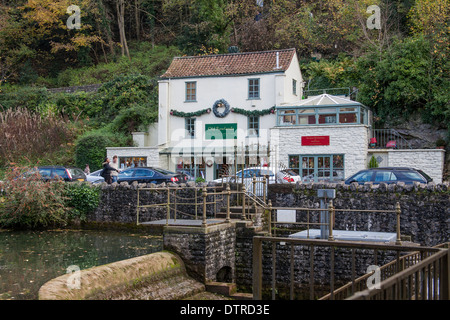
(28, 259)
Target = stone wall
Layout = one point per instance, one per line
(425, 209)
(431, 161)
(118, 203)
(87, 88)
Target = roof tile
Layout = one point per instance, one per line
(229, 64)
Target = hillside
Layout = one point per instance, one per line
(399, 69)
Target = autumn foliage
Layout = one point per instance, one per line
(26, 136)
(28, 202)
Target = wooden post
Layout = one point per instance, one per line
(257, 269)
(137, 208)
(204, 193)
(445, 281)
(196, 204)
(270, 218)
(264, 189)
(398, 211)
(175, 209)
(330, 222)
(243, 201)
(168, 207)
(228, 202)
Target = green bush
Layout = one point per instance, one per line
(125, 91)
(23, 97)
(90, 148)
(136, 118)
(82, 198)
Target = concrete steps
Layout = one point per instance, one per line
(235, 212)
(227, 290)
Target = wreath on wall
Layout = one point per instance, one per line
(209, 163)
(222, 103)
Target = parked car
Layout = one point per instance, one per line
(59, 172)
(249, 173)
(282, 176)
(150, 175)
(187, 174)
(287, 176)
(389, 175)
(324, 176)
(95, 177)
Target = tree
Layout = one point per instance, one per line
(120, 11)
(403, 80)
(373, 163)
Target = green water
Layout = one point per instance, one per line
(28, 259)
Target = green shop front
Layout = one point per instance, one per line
(219, 154)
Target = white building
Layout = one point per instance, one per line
(219, 110)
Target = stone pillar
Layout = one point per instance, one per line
(208, 252)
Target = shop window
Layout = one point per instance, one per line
(306, 116)
(192, 166)
(327, 115)
(322, 115)
(318, 167)
(288, 117)
(132, 162)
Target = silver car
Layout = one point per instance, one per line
(95, 177)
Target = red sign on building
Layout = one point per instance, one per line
(316, 141)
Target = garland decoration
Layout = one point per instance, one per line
(254, 112)
(189, 114)
(224, 113)
(222, 103)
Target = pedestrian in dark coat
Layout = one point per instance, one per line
(107, 169)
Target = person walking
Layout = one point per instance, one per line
(107, 170)
(115, 165)
(87, 170)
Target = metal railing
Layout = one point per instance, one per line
(427, 279)
(331, 91)
(388, 139)
(172, 201)
(200, 202)
(331, 211)
(386, 271)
